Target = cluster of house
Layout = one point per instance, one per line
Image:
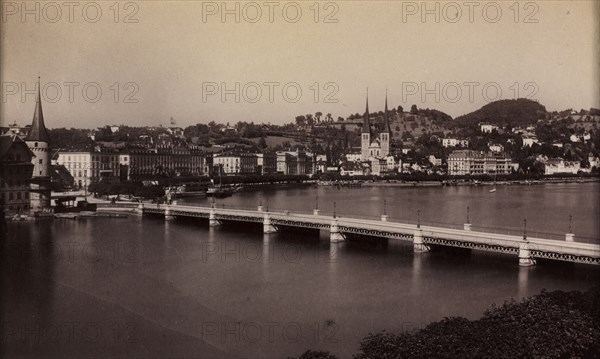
(561, 166)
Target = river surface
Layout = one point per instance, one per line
(143, 287)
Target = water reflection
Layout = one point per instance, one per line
(179, 287)
(417, 263)
(523, 280)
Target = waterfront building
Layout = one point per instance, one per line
(293, 162)
(38, 142)
(91, 166)
(321, 167)
(394, 163)
(16, 171)
(266, 162)
(378, 166)
(560, 166)
(468, 162)
(351, 169)
(232, 164)
(166, 160)
(373, 144)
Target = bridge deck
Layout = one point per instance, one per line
(539, 247)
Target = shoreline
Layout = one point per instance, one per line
(105, 205)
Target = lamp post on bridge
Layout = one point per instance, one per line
(570, 236)
(384, 216)
(260, 206)
(419, 218)
(334, 210)
(316, 210)
(525, 257)
(467, 226)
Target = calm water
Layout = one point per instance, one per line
(140, 287)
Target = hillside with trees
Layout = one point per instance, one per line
(512, 113)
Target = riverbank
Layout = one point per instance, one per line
(474, 182)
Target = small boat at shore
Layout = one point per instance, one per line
(222, 191)
(190, 190)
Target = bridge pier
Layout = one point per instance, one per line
(140, 209)
(267, 226)
(418, 245)
(570, 237)
(335, 235)
(525, 258)
(212, 218)
(168, 215)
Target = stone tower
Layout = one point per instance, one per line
(365, 141)
(385, 134)
(38, 142)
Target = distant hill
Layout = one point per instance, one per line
(506, 112)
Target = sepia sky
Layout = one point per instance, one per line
(179, 56)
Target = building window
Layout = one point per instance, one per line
(41, 161)
(36, 144)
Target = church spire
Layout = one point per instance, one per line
(387, 117)
(367, 124)
(38, 129)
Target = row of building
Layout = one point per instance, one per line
(469, 162)
(137, 164)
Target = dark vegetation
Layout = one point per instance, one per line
(553, 324)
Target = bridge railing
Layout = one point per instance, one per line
(117, 205)
(510, 231)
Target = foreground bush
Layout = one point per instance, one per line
(549, 325)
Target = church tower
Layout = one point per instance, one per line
(38, 142)
(384, 136)
(365, 141)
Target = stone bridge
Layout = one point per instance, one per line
(422, 237)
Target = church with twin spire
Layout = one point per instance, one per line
(375, 144)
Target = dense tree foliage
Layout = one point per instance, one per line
(506, 113)
(311, 354)
(69, 138)
(549, 325)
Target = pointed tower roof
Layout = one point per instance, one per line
(387, 116)
(366, 128)
(38, 129)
